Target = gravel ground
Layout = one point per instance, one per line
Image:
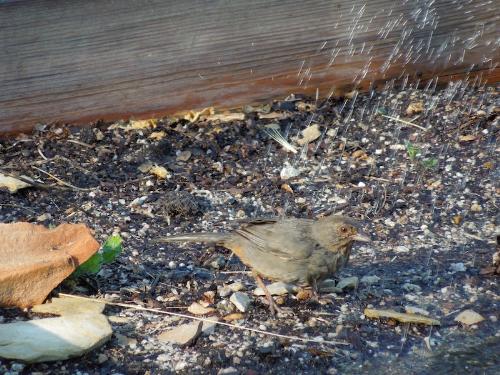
(426, 190)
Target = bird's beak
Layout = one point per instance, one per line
(362, 237)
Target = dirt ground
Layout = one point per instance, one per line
(426, 189)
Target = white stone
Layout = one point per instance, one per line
(276, 289)
(240, 300)
(53, 339)
(370, 279)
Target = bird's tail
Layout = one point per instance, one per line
(195, 237)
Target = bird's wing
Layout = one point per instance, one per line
(285, 238)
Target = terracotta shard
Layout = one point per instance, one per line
(36, 259)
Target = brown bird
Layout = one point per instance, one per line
(291, 250)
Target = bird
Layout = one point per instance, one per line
(287, 249)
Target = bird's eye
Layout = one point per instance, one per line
(343, 229)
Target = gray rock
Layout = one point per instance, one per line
(370, 280)
(328, 286)
(237, 286)
(67, 305)
(276, 289)
(457, 267)
(183, 334)
(411, 287)
(241, 301)
(289, 171)
(53, 339)
(228, 371)
(348, 283)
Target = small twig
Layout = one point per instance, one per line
(61, 181)
(41, 154)
(137, 307)
(405, 122)
(79, 143)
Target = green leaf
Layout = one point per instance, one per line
(430, 163)
(412, 151)
(89, 267)
(111, 248)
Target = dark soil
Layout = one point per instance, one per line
(428, 197)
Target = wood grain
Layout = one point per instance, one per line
(79, 61)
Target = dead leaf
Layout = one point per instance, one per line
(359, 154)
(35, 259)
(303, 106)
(469, 317)
(457, 219)
(193, 116)
(157, 135)
(287, 188)
(159, 171)
(467, 138)
(309, 134)
(401, 317)
(12, 183)
(488, 165)
(304, 294)
(272, 116)
(234, 316)
(226, 117)
(414, 108)
(197, 309)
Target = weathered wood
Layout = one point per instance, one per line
(78, 61)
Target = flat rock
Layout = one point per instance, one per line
(183, 334)
(53, 339)
(370, 280)
(36, 259)
(69, 306)
(348, 283)
(469, 317)
(240, 300)
(276, 289)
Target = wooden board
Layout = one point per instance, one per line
(79, 61)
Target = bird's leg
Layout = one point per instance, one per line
(315, 290)
(273, 307)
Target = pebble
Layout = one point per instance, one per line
(240, 300)
(411, 287)
(288, 172)
(457, 267)
(228, 371)
(370, 280)
(237, 286)
(276, 289)
(348, 283)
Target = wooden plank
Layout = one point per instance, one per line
(79, 61)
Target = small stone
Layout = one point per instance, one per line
(208, 328)
(184, 156)
(101, 358)
(159, 171)
(67, 305)
(276, 289)
(223, 291)
(457, 267)
(237, 286)
(348, 283)
(476, 207)
(328, 286)
(163, 357)
(411, 287)
(469, 317)
(414, 108)
(216, 262)
(370, 280)
(241, 301)
(416, 310)
(228, 371)
(288, 171)
(125, 341)
(183, 334)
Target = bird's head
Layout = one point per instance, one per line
(343, 229)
